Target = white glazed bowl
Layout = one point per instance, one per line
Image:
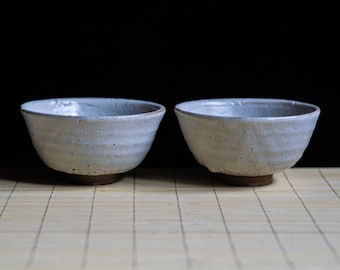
(89, 136)
(248, 137)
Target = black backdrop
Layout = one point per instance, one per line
(169, 52)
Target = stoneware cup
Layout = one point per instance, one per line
(93, 139)
(247, 140)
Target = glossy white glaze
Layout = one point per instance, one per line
(247, 136)
(92, 136)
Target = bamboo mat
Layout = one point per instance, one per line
(170, 219)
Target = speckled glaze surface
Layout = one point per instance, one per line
(247, 136)
(92, 136)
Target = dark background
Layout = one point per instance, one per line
(169, 52)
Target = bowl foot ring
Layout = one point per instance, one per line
(94, 179)
(246, 180)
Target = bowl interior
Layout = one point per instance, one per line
(246, 107)
(91, 107)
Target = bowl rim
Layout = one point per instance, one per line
(180, 108)
(157, 108)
